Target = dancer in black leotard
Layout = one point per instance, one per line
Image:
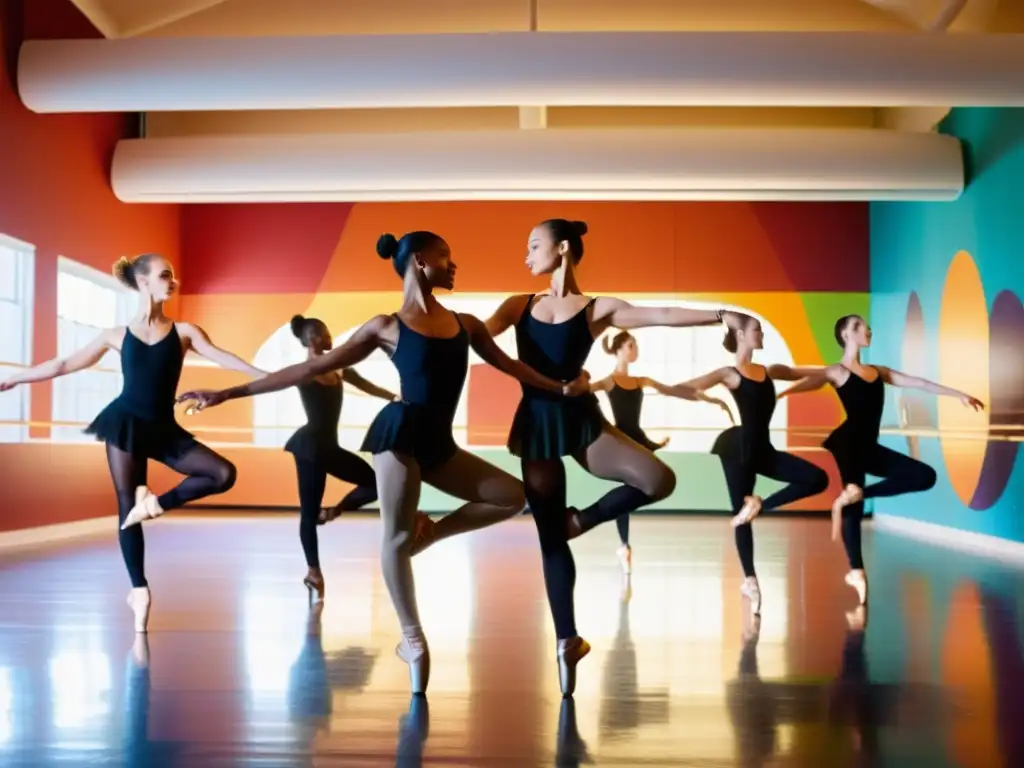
(316, 450)
(554, 334)
(746, 451)
(412, 440)
(854, 444)
(626, 396)
(139, 424)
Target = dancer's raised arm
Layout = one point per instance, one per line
(79, 360)
(899, 379)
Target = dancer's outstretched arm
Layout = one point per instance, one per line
(483, 344)
(616, 313)
(781, 372)
(200, 343)
(79, 360)
(506, 315)
(809, 384)
(899, 379)
(607, 384)
(686, 391)
(358, 347)
(351, 376)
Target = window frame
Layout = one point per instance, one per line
(26, 262)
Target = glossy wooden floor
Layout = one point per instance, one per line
(236, 673)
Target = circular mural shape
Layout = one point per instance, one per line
(963, 365)
(914, 407)
(1006, 382)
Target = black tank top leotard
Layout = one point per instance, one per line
(863, 402)
(546, 424)
(432, 372)
(626, 407)
(755, 401)
(140, 421)
(322, 404)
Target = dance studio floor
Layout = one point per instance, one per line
(235, 673)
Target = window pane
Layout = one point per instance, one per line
(9, 288)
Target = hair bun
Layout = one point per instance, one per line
(387, 246)
(579, 227)
(297, 323)
(122, 270)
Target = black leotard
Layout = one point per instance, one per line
(140, 421)
(432, 371)
(322, 404)
(547, 425)
(626, 406)
(863, 402)
(755, 401)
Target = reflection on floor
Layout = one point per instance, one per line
(237, 670)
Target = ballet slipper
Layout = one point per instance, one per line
(859, 581)
(413, 650)
(625, 555)
(146, 508)
(570, 652)
(851, 495)
(752, 591)
(751, 508)
(314, 583)
(139, 600)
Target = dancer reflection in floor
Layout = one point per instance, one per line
(554, 334)
(316, 450)
(746, 451)
(854, 444)
(412, 440)
(626, 396)
(139, 424)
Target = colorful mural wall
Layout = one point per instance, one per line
(251, 267)
(947, 281)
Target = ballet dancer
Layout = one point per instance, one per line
(746, 451)
(854, 443)
(316, 450)
(626, 396)
(411, 440)
(554, 334)
(139, 424)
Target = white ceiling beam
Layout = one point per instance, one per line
(557, 164)
(509, 69)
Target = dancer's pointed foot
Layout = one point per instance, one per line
(423, 532)
(851, 495)
(859, 581)
(752, 591)
(751, 508)
(625, 555)
(139, 600)
(413, 651)
(146, 508)
(314, 582)
(329, 514)
(570, 652)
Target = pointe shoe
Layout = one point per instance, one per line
(859, 581)
(423, 533)
(751, 508)
(570, 652)
(625, 554)
(413, 651)
(329, 514)
(146, 508)
(139, 600)
(857, 619)
(851, 495)
(315, 584)
(752, 591)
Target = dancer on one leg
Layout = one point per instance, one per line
(626, 396)
(139, 424)
(316, 450)
(854, 443)
(746, 451)
(554, 334)
(412, 440)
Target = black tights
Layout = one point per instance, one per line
(207, 473)
(804, 478)
(339, 463)
(544, 481)
(900, 474)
